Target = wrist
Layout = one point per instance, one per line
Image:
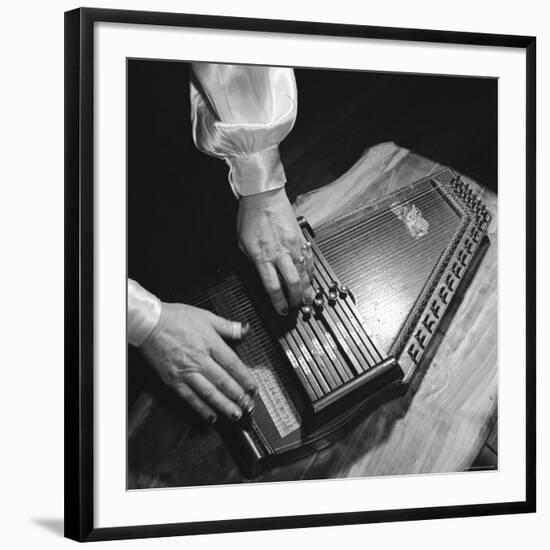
(256, 172)
(264, 199)
(144, 311)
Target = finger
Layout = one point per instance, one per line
(227, 385)
(272, 285)
(307, 291)
(307, 252)
(233, 330)
(231, 362)
(193, 400)
(214, 397)
(291, 278)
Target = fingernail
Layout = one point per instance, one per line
(250, 406)
(247, 404)
(308, 300)
(244, 401)
(245, 327)
(284, 311)
(212, 418)
(252, 392)
(236, 415)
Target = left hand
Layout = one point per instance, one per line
(270, 236)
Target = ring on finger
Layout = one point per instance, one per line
(236, 331)
(299, 261)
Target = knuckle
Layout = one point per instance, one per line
(225, 387)
(294, 281)
(171, 373)
(234, 364)
(187, 375)
(208, 392)
(196, 357)
(291, 237)
(221, 384)
(273, 287)
(185, 392)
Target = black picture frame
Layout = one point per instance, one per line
(79, 268)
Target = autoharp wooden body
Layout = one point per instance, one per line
(386, 277)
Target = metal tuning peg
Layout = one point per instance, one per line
(319, 303)
(332, 294)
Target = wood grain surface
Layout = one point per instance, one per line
(440, 427)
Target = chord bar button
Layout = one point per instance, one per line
(319, 304)
(344, 291)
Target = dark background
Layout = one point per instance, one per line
(181, 212)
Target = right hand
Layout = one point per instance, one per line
(187, 349)
(270, 236)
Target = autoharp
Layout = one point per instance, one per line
(385, 278)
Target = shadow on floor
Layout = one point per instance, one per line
(54, 525)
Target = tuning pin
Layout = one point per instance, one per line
(319, 304)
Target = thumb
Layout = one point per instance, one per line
(233, 330)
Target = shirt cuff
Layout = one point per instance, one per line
(256, 172)
(143, 313)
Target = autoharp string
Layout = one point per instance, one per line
(348, 312)
(342, 247)
(257, 351)
(348, 252)
(235, 300)
(397, 265)
(346, 233)
(342, 318)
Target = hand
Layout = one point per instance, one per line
(270, 236)
(187, 350)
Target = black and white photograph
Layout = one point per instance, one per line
(312, 274)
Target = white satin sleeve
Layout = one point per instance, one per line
(241, 113)
(143, 313)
